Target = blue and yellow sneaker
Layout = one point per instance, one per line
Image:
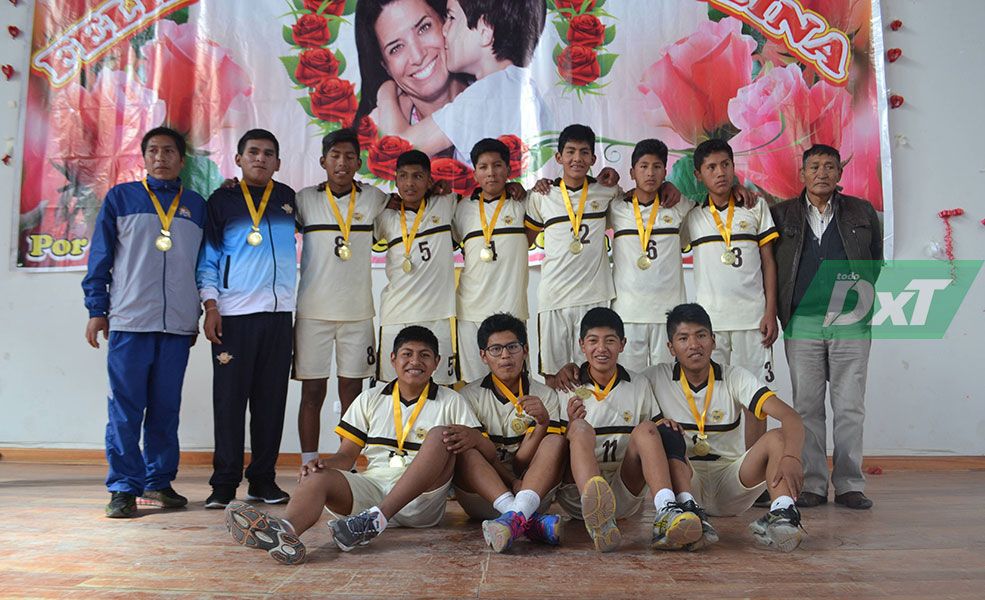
(545, 529)
(500, 532)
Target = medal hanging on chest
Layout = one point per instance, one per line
(575, 218)
(700, 446)
(345, 226)
(645, 231)
(254, 237)
(401, 429)
(725, 229)
(486, 254)
(163, 241)
(408, 236)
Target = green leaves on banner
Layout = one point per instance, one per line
(291, 64)
(288, 36)
(682, 176)
(305, 102)
(541, 154)
(341, 58)
(201, 174)
(605, 63)
(179, 16)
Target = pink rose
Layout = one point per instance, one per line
(851, 17)
(197, 79)
(779, 117)
(860, 149)
(696, 77)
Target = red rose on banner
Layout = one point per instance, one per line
(334, 100)
(196, 78)
(383, 156)
(780, 104)
(335, 7)
(459, 175)
(311, 31)
(698, 75)
(568, 7)
(316, 65)
(586, 30)
(368, 132)
(578, 65)
(519, 154)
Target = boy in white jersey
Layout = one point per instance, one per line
(401, 427)
(646, 257)
(575, 275)
(335, 294)
(420, 271)
(522, 425)
(734, 270)
(489, 227)
(616, 448)
(709, 401)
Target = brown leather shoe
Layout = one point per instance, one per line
(810, 500)
(854, 500)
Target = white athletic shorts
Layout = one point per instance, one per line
(627, 503)
(470, 365)
(558, 332)
(369, 489)
(354, 343)
(716, 486)
(646, 345)
(445, 374)
(744, 348)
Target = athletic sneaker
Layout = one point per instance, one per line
(254, 529)
(675, 528)
(545, 529)
(266, 492)
(354, 531)
(500, 532)
(598, 508)
(221, 496)
(779, 529)
(121, 505)
(708, 534)
(162, 498)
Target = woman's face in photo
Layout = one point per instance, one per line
(413, 48)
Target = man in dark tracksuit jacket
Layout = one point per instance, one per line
(246, 280)
(823, 224)
(140, 292)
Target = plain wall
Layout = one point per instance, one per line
(921, 397)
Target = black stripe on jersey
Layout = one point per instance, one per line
(564, 219)
(388, 390)
(614, 429)
(333, 227)
(556, 424)
(723, 427)
(705, 458)
(660, 231)
(353, 430)
(767, 233)
(497, 231)
(757, 398)
(532, 224)
(382, 441)
(736, 237)
(657, 418)
(420, 234)
(506, 441)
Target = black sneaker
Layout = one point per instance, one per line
(121, 506)
(162, 498)
(221, 496)
(357, 530)
(267, 492)
(709, 535)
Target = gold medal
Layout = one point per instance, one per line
(583, 393)
(518, 425)
(397, 461)
(701, 445)
(644, 262)
(345, 226)
(724, 229)
(402, 429)
(254, 238)
(407, 266)
(728, 258)
(575, 247)
(163, 241)
(256, 214)
(575, 218)
(408, 236)
(486, 254)
(344, 252)
(645, 230)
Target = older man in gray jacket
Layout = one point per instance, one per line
(823, 224)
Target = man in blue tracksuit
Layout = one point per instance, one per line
(140, 293)
(246, 279)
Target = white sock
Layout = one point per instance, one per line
(527, 502)
(307, 457)
(380, 519)
(504, 503)
(781, 502)
(663, 498)
(684, 497)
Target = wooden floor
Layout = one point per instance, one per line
(925, 538)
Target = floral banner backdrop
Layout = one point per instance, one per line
(771, 76)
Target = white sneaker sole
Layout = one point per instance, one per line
(598, 508)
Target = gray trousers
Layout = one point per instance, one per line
(843, 364)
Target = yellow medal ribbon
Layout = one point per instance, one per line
(165, 218)
(599, 393)
(726, 229)
(645, 232)
(257, 213)
(409, 238)
(487, 229)
(505, 391)
(575, 218)
(401, 429)
(344, 227)
(699, 419)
